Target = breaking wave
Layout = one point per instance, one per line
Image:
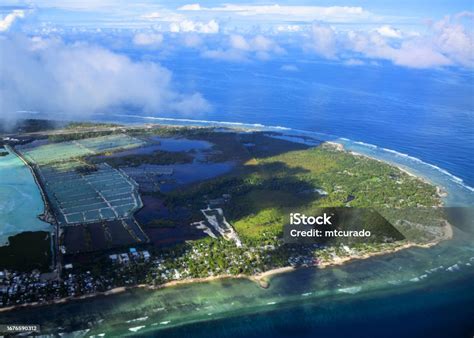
(351, 290)
(293, 131)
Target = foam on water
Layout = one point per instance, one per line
(421, 167)
(141, 319)
(363, 144)
(351, 290)
(204, 122)
(416, 163)
(318, 136)
(136, 328)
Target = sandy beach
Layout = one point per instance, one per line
(262, 279)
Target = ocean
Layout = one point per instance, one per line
(427, 114)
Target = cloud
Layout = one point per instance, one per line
(389, 32)
(453, 39)
(10, 19)
(414, 53)
(191, 7)
(354, 62)
(241, 48)
(233, 55)
(417, 55)
(192, 40)
(287, 13)
(289, 68)
(153, 16)
(210, 27)
(148, 39)
(288, 28)
(324, 41)
(81, 79)
(239, 42)
(447, 43)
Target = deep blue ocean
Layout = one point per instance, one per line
(442, 312)
(427, 114)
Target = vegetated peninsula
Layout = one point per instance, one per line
(155, 205)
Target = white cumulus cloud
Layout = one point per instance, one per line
(389, 32)
(324, 41)
(190, 7)
(242, 48)
(148, 39)
(210, 27)
(7, 21)
(80, 79)
(447, 42)
(454, 40)
(192, 40)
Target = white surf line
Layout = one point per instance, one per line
(136, 328)
(452, 178)
(321, 136)
(256, 125)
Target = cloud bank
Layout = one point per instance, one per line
(148, 39)
(80, 79)
(242, 48)
(447, 43)
(286, 13)
(211, 27)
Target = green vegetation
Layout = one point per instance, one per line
(80, 135)
(157, 157)
(268, 189)
(82, 125)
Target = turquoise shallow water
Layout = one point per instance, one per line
(419, 288)
(20, 199)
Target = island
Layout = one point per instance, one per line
(159, 205)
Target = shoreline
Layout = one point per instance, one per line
(262, 279)
(47, 216)
(440, 191)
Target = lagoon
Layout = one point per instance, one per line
(20, 199)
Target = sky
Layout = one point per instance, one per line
(80, 49)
